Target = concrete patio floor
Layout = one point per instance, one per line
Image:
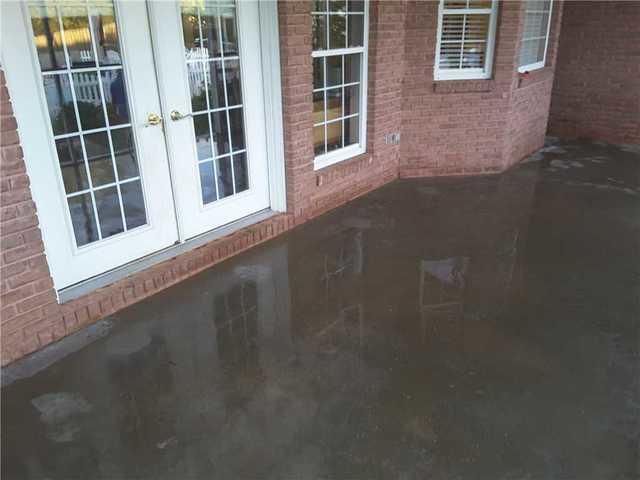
(476, 328)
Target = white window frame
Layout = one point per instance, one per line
(350, 151)
(467, 73)
(537, 65)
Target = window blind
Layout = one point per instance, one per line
(465, 40)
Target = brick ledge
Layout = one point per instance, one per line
(463, 86)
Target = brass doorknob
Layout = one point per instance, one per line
(153, 119)
(176, 115)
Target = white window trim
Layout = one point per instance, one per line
(543, 62)
(469, 73)
(345, 153)
(338, 156)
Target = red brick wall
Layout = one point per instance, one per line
(25, 284)
(310, 192)
(597, 87)
(438, 137)
(476, 126)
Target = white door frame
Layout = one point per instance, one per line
(272, 85)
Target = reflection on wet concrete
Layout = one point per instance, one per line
(450, 328)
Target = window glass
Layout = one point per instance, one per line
(535, 34)
(339, 59)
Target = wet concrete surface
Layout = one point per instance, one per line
(469, 328)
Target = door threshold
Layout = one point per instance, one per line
(87, 286)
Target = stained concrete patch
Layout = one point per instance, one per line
(60, 412)
(166, 443)
(630, 148)
(40, 360)
(128, 343)
(253, 272)
(359, 222)
(56, 407)
(606, 186)
(428, 190)
(565, 164)
(595, 159)
(536, 157)
(553, 149)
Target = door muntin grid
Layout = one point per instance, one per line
(212, 57)
(79, 54)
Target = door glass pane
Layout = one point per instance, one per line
(209, 32)
(77, 36)
(207, 182)
(83, 219)
(115, 96)
(229, 32)
(215, 83)
(220, 129)
(232, 75)
(133, 201)
(225, 177)
(125, 152)
(103, 21)
(99, 158)
(47, 38)
(240, 172)
(89, 112)
(197, 86)
(57, 89)
(203, 136)
(88, 100)
(108, 206)
(74, 173)
(237, 129)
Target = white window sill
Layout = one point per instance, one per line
(475, 74)
(337, 156)
(531, 67)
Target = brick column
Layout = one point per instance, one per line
(26, 288)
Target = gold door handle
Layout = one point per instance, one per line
(153, 119)
(176, 115)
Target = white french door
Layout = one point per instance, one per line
(208, 60)
(82, 82)
(98, 102)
